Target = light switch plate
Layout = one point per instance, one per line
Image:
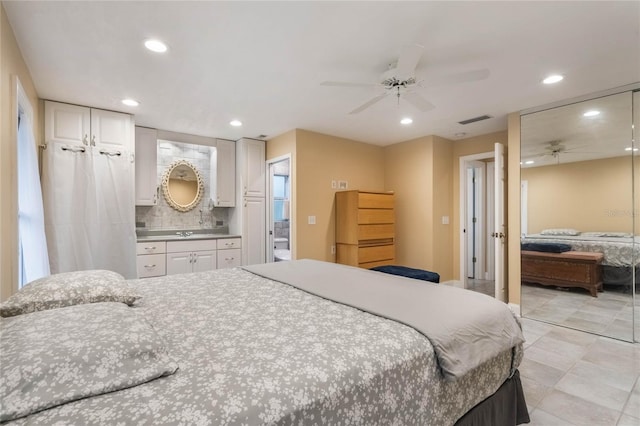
(312, 220)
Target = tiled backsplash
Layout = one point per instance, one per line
(162, 216)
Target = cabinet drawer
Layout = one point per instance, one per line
(151, 265)
(368, 200)
(229, 243)
(376, 253)
(376, 232)
(151, 247)
(193, 245)
(369, 216)
(229, 258)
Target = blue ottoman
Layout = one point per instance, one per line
(403, 271)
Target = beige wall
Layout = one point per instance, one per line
(419, 173)
(11, 65)
(586, 195)
(321, 159)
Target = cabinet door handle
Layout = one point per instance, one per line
(190, 257)
(84, 140)
(195, 258)
(228, 258)
(150, 248)
(150, 266)
(93, 140)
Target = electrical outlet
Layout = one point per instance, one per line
(312, 220)
(342, 184)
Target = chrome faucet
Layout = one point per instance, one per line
(184, 234)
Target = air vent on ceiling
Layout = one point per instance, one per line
(474, 119)
(261, 136)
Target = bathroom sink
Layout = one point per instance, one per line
(174, 235)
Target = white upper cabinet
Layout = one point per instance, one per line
(146, 167)
(223, 174)
(252, 164)
(111, 130)
(69, 124)
(83, 126)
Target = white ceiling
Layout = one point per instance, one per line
(262, 62)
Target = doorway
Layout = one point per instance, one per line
(477, 223)
(279, 212)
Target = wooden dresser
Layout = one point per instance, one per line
(365, 228)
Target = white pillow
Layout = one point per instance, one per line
(69, 288)
(56, 356)
(608, 234)
(560, 231)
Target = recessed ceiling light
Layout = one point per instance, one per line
(591, 113)
(529, 162)
(155, 46)
(130, 102)
(631, 149)
(236, 123)
(460, 134)
(406, 120)
(553, 79)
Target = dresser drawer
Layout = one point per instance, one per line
(376, 253)
(229, 258)
(376, 232)
(371, 216)
(151, 265)
(229, 243)
(368, 200)
(151, 247)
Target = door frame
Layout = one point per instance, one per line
(269, 237)
(464, 160)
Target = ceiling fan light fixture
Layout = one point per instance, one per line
(554, 78)
(235, 123)
(406, 121)
(155, 46)
(591, 113)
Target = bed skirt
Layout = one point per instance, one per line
(506, 407)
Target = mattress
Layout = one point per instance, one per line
(251, 350)
(618, 251)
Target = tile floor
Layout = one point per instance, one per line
(576, 378)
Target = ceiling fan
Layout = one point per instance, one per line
(400, 80)
(555, 148)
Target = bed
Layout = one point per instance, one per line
(241, 346)
(617, 248)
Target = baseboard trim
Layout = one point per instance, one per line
(515, 308)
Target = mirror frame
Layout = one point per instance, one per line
(167, 194)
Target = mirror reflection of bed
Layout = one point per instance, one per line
(577, 194)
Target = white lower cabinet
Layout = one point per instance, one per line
(151, 259)
(191, 256)
(178, 257)
(229, 252)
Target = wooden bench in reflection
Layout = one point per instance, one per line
(568, 269)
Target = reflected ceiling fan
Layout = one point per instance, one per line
(400, 81)
(555, 148)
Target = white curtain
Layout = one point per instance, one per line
(90, 209)
(33, 256)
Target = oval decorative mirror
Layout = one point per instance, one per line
(182, 186)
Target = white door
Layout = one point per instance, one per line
(146, 167)
(110, 130)
(500, 233)
(255, 183)
(204, 261)
(225, 174)
(475, 219)
(254, 232)
(67, 124)
(179, 263)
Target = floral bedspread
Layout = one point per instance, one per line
(253, 351)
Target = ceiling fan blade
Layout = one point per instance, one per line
(347, 84)
(369, 103)
(417, 101)
(408, 61)
(463, 77)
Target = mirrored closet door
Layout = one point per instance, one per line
(579, 195)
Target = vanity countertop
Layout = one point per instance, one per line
(181, 235)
